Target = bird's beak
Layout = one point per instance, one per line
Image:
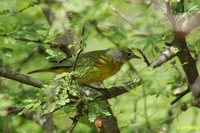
(137, 57)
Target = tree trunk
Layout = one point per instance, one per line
(107, 124)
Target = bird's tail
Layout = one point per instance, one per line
(40, 70)
(57, 69)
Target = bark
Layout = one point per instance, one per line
(22, 78)
(107, 124)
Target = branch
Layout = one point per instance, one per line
(185, 25)
(28, 57)
(170, 16)
(66, 37)
(103, 35)
(22, 78)
(45, 122)
(159, 6)
(108, 93)
(76, 118)
(145, 58)
(106, 124)
(165, 8)
(195, 87)
(77, 57)
(31, 4)
(180, 95)
(167, 55)
(189, 23)
(27, 40)
(15, 111)
(122, 15)
(184, 55)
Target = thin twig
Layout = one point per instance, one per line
(122, 15)
(159, 6)
(145, 58)
(76, 118)
(46, 119)
(180, 95)
(165, 8)
(132, 68)
(135, 116)
(77, 57)
(103, 35)
(170, 16)
(79, 51)
(115, 91)
(27, 58)
(170, 117)
(145, 104)
(32, 4)
(182, 6)
(26, 39)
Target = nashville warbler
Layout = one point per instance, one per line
(94, 66)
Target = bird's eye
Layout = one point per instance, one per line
(129, 54)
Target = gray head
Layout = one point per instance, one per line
(122, 55)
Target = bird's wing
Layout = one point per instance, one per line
(99, 57)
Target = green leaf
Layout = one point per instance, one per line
(4, 51)
(4, 12)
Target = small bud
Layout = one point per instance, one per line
(184, 107)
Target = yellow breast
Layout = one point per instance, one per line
(103, 69)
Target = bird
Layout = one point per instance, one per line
(94, 66)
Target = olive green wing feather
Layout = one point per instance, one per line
(98, 57)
